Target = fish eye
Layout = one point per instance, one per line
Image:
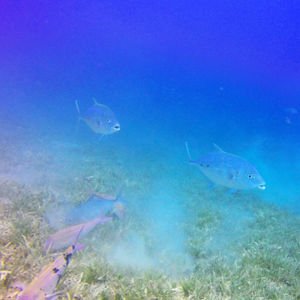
(251, 176)
(108, 121)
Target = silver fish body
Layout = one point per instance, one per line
(100, 118)
(229, 170)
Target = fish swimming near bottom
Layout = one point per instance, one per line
(43, 285)
(100, 118)
(62, 238)
(96, 204)
(228, 170)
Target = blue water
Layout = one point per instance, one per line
(172, 71)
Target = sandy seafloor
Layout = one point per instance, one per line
(178, 240)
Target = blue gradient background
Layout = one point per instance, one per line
(202, 71)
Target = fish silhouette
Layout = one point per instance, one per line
(228, 170)
(64, 237)
(100, 118)
(43, 285)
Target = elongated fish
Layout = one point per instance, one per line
(100, 118)
(62, 238)
(96, 204)
(43, 285)
(228, 170)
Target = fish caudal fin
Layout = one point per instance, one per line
(188, 151)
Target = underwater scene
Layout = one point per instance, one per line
(149, 150)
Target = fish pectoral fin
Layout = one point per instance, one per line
(218, 148)
(231, 191)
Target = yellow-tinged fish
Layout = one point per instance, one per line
(64, 237)
(43, 285)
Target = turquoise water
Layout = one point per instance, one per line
(222, 73)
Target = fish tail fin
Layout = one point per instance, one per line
(188, 151)
(95, 101)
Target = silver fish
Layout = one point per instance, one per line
(228, 170)
(100, 118)
(63, 238)
(44, 284)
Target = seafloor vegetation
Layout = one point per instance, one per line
(261, 261)
(235, 247)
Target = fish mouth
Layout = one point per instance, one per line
(117, 127)
(262, 186)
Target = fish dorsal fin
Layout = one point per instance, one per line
(99, 104)
(218, 148)
(95, 101)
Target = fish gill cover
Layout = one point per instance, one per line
(162, 73)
